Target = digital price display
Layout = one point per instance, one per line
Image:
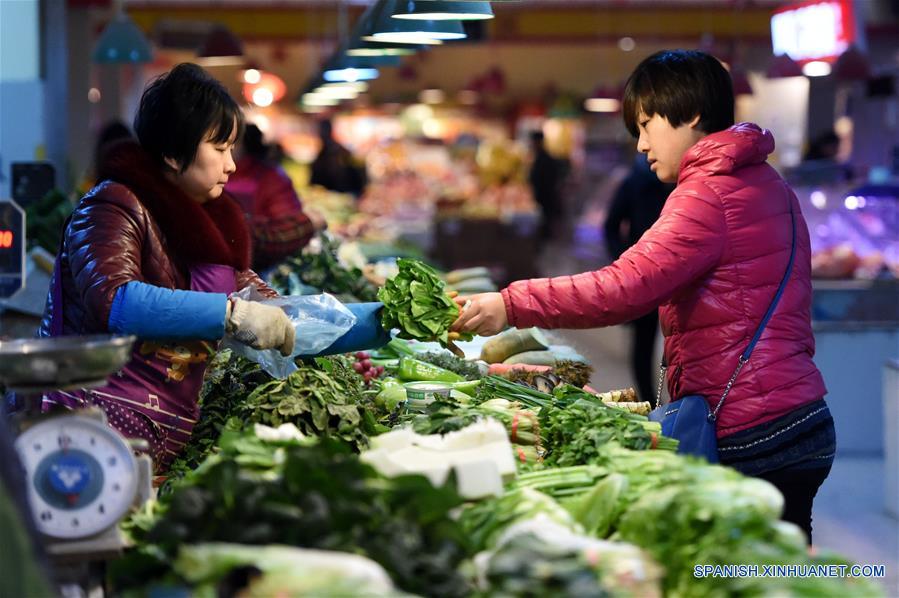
(12, 248)
(813, 30)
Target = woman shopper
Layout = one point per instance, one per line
(155, 250)
(712, 264)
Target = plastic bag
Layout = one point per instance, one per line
(319, 320)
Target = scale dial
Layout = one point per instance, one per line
(82, 476)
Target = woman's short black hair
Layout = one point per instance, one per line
(679, 85)
(181, 109)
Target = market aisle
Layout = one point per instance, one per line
(849, 516)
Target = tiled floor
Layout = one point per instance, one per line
(848, 516)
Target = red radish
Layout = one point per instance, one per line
(366, 363)
(358, 367)
(360, 355)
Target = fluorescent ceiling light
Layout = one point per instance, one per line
(816, 68)
(602, 105)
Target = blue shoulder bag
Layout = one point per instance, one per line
(689, 419)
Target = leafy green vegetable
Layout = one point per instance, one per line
(529, 566)
(685, 511)
(322, 270)
(416, 303)
(321, 496)
(324, 398)
(575, 435)
(484, 522)
(229, 381)
(278, 571)
(45, 220)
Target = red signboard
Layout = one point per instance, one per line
(813, 30)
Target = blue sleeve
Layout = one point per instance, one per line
(156, 313)
(366, 333)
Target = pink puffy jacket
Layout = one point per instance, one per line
(712, 262)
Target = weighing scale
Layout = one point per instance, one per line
(82, 476)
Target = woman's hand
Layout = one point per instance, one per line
(483, 314)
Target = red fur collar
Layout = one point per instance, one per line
(211, 233)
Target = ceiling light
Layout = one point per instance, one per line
(384, 28)
(366, 49)
(626, 44)
(442, 10)
(122, 42)
(221, 48)
(816, 68)
(431, 96)
(263, 96)
(602, 105)
(350, 74)
(315, 99)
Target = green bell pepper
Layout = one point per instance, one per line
(414, 370)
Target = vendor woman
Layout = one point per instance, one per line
(155, 250)
(712, 263)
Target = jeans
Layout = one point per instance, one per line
(799, 487)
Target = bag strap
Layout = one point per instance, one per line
(744, 357)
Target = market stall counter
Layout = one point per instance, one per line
(856, 326)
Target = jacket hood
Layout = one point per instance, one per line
(726, 151)
(213, 233)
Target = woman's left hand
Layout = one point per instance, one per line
(483, 314)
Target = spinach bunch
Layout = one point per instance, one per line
(415, 302)
(228, 382)
(319, 496)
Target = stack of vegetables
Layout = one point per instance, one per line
(308, 494)
(685, 512)
(583, 496)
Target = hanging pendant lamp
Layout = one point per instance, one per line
(384, 28)
(122, 42)
(443, 10)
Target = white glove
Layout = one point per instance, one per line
(260, 326)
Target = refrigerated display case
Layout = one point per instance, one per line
(854, 235)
